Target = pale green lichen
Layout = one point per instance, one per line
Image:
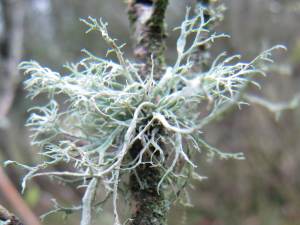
(109, 107)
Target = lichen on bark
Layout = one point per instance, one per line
(147, 19)
(150, 206)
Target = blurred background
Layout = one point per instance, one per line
(262, 190)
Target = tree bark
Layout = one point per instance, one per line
(150, 207)
(147, 18)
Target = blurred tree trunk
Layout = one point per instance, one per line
(11, 42)
(11, 45)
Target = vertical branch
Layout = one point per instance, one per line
(147, 18)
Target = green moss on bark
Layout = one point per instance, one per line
(150, 207)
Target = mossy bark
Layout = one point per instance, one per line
(147, 18)
(149, 207)
(148, 23)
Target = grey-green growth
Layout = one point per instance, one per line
(110, 106)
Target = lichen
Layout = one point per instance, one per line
(111, 108)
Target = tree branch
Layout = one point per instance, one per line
(147, 20)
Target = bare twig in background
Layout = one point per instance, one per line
(276, 108)
(14, 198)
